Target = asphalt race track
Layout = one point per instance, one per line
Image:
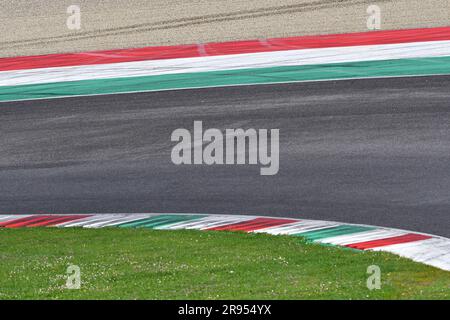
(360, 151)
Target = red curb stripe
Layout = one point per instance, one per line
(15, 220)
(410, 237)
(97, 57)
(19, 223)
(224, 48)
(56, 220)
(255, 224)
(330, 41)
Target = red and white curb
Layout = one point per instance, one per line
(424, 248)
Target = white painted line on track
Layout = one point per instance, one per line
(227, 86)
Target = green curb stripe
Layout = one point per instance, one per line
(159, 221)
(364, 69)
(333, 232)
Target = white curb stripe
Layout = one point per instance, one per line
(84, 221)
(206, 223)
(115, 220)
(440, 247)
(6, 218)
(14, 217)
(299, 227)
(434, 252)
(104, 220)
(362, 237)
(125, 219)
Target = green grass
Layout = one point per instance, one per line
(148, 264)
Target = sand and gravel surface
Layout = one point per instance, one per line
(39, 27)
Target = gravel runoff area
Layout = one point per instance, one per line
(39, 27)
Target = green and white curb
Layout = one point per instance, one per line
(423, 248)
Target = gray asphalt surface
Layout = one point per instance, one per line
(359, 151)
